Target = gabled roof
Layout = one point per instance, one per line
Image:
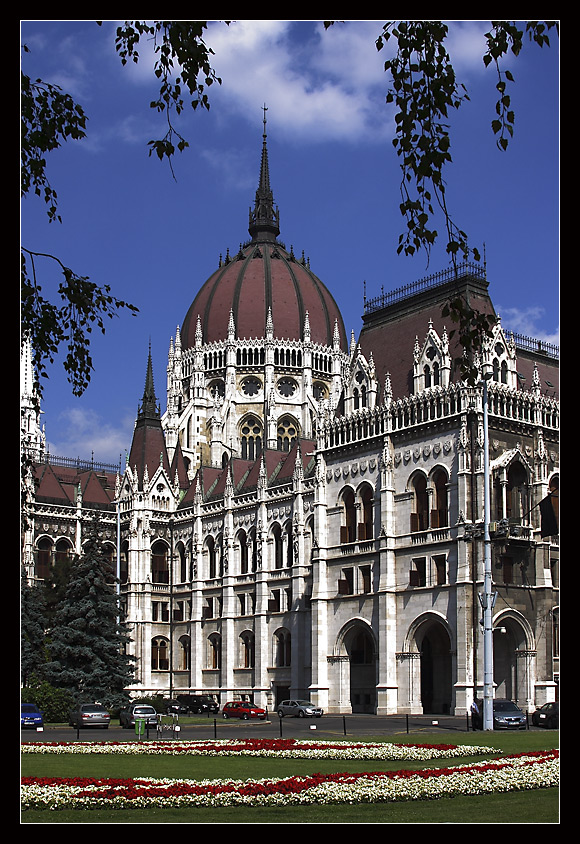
(59, 485)
(279, 467)
(391, 323)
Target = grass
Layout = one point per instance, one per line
(539, 806)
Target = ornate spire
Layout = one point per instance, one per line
(149, 408)
(264, 219)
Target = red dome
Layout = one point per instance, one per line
(262, 277)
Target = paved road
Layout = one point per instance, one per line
(327, 727)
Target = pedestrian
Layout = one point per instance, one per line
(474, 713)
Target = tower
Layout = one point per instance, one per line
(261, 349)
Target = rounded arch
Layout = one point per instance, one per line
(251, 432)
(184, 653)
(210, 557)
(356, 641)
(347, 501)
(276, 538)
(366, 498)
(160, 561)
(281, 647)
(514, 648)
(418, 484)
(287, 432)
(430, 636)
(247, 649)
(241, 543)
(439, 479)
(214, 651)
(160, 653)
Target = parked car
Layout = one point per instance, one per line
(174, 707)
(299, 709)
(141, 711)
(30, 717)
(198, 703)
(506, 716)
(89, 715)
(547, 715)
(243, 709)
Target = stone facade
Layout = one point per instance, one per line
(306, 517)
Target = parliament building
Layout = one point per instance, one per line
(306, 517)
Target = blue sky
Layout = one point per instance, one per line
(155, 239)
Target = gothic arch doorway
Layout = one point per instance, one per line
(433, 643)
(359, 666)
(513, 659)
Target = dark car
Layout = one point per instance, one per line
(299, 709)
(547, 715)
(506, 716)
(30, 717)
(89, 715)
(243, 709)
(174, 707)
(138, 711)
(198, 703)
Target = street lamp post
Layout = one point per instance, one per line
(488, 597)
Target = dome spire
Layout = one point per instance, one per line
(264, 218)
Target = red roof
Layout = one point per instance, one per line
(263, 277)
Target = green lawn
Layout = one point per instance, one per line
(539, 806)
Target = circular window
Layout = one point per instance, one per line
(287, 387)
(251, 386)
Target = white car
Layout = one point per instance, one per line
(299, 708)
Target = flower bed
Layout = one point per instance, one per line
(285, 748)
(523, 771)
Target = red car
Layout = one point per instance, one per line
(243, 709)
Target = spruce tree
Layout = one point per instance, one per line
(32, 626)
(88, 638)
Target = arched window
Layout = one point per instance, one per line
(289, 544)
(184, 660)
(439, 515)
(251, 437)
(420, 518)
(43, 557)
(348, 527)
(253, 543)
(214, 651)
(211, 557)
(243, 552)
(247, 649)
(278, 546)
(282, 648)
(159, 563)
(182, 562)
(124, 565)
(287, 433)
(365, 527)
(516, 492)
(160, 654)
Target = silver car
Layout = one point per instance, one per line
(138, 711)
(89, 715)
(299, 708)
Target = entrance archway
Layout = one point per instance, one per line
(513, 658)
(433, 642)
(359, 666)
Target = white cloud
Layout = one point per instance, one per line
(84, 433)
(527, 322)
(317, 85)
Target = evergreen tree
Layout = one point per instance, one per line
(88, 638)
(32, 631)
